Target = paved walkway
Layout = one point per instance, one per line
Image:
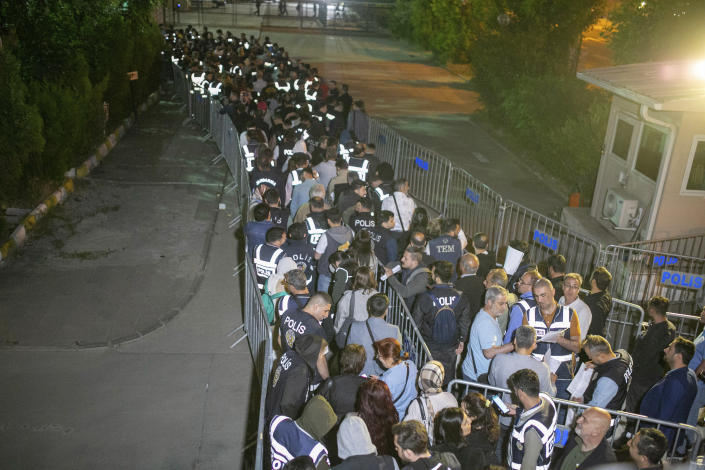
(140, 242)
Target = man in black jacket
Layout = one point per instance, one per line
(295, 375)
(649, 363)
(599, 300)
(443, 318)
(470, 284)
(587, 448)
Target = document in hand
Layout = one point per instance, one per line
(552, 364)
(580, 382)
(551, 336)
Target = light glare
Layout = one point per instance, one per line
(699, 69)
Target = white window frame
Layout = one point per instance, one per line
(633, 143)
(666, 132)
(697, 138)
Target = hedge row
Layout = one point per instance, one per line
(60, 62)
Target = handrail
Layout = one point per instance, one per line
(617, 416)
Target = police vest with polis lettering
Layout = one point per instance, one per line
(561, 321)
(265, 259)
(445, 248)
(286, 151)
(303, 255)
(296, 323)
(362, 220)
(292, 302)
(542, 419)
(619, 370)
(250, 151)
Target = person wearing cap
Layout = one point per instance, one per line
(431, 399)
(356, 449)
(297, 373)
(290, 439)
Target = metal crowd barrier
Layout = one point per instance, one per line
(399, 315)
(460, 388)
(687, 326)
(259, 337)
(638, 275)
(623, 324)
(474, 203)
(546, 236)
(692, 245)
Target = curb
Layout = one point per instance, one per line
(19, 235)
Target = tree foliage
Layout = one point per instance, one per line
(656, 30)
(61, 60)
(524, 54)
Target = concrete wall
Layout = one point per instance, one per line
(681, 213)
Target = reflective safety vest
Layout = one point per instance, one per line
(236, 70)
(197, 81)
(296, 178)
(250, 152)
(381, 194)
(344, 152)
(315, 229)
(542, 419)
(359, 166)
(215, 90)
(265, 259)
(561, 321)
(286, 87)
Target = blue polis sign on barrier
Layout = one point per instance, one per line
(472, 195)
(665, 261)
(423, 164)
(679, 279)
(545, 240)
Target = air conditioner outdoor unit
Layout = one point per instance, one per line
(621, 208)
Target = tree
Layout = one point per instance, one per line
(657, 30)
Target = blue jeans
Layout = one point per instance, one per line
(323, 283)
(562, 392)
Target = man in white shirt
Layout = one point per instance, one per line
(571, 289)
(401, 205)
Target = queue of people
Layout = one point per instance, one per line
(328, 221)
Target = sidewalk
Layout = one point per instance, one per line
(177, 398)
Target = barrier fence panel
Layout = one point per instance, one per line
(426, 171)
(624, 323)
(620, 420)
(259, 337)
(693, 245)
(638, 275)
(546, 236)
(687, 326)
(473, 202)
(386, 141)
(400, 316)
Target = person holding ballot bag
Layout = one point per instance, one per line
(557, 333)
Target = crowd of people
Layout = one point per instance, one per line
(329, 221)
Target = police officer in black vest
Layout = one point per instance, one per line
(316, 223)
(362, 218)
(385, 241)
(613, 372)
(378, 192)
(301, 251)
(286, 148)
(443, 318)
(447, 247)
(278, 215)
